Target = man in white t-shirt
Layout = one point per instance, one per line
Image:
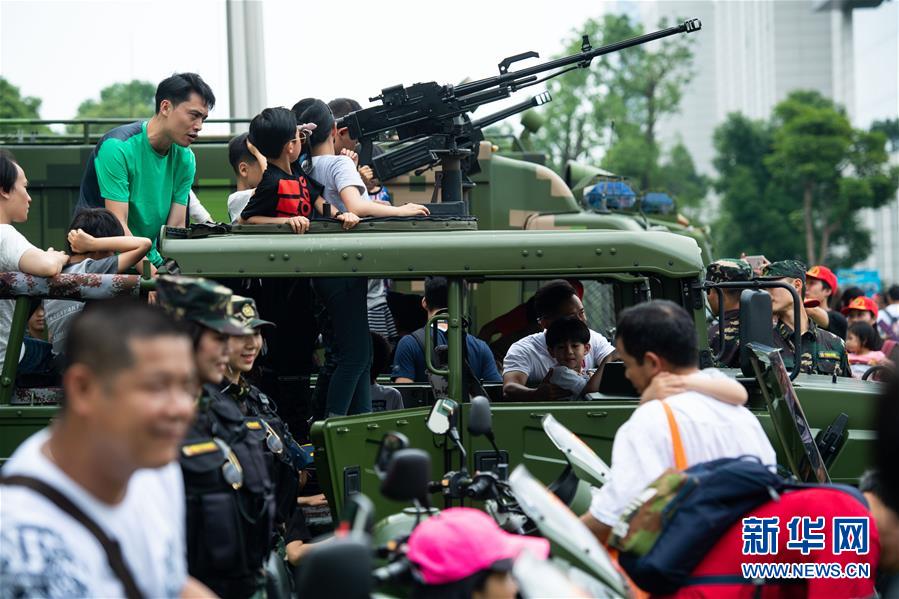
(130, 393)
(527, 365)
(17, 254)
(653, 338)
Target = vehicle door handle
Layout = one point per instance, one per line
(402, 422)
(373, 426)
(597, 414)
(340, 430)
(536, 415)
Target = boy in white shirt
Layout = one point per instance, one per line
(248, 168)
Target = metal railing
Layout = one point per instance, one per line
(86, 135)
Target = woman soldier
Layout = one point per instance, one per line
(227, 474)
(289, 459)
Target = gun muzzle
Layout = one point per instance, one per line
(692, 25)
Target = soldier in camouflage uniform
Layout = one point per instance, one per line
(721, 271)
(822, 351)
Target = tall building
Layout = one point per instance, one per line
(752, 53)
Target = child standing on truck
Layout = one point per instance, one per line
(98, 244)
(345, 299)
(17, 254)
(248, 169)
(284, 195)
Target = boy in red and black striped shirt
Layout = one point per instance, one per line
(285, 195)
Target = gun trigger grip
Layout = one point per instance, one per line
(507, 62)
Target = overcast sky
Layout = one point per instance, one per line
(66, 51)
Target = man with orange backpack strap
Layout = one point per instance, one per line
(657, 339)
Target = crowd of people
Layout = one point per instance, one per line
(142, 489)
(843, 335)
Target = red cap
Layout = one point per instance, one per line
(824, 274)
(861, 303)
(461, 541)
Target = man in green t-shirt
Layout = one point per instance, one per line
(142, 172)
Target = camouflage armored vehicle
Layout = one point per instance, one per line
(503, 190)
(489, 273)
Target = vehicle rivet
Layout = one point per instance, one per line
(636, 263)
(467, 267)
(671, 263)
(355, 269)
(411, 268)
(539, 253)
(286, 256)
(524, 253)
(271, 256)
(297, 269)
(359, 256)
(345, 256)
(240, 270)
(613, 251)
(598, 252)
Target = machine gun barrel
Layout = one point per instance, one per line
(582, 60)
(533, 101)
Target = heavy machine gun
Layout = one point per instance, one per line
(432, 122)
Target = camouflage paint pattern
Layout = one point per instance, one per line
(68, 286)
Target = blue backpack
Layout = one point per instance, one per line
(682, 515)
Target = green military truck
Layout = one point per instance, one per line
(511, 192)
(489, 273)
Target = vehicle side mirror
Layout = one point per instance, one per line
(339, 568)
(359, 513)
(442, 416)
(756, 325)
(407, 475)
(390, 443)
(480, 419)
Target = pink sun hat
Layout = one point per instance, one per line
(461, 541)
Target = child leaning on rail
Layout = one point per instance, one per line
(285, 195)
(17, 254)
(98, 245)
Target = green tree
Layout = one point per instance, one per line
(792, 186)
(14, 106)
(646, 85)
(835, 170)
(575, 120)
(890, 128)
(755, 217)
(616, 105)
(678, 176)
(135, 99)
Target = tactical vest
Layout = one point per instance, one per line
(283, 453)
(230, 503)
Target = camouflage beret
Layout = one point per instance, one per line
(728, 269)
(244, 310)
(199, 300)
(793, 269)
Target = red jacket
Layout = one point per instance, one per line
(726, 556)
